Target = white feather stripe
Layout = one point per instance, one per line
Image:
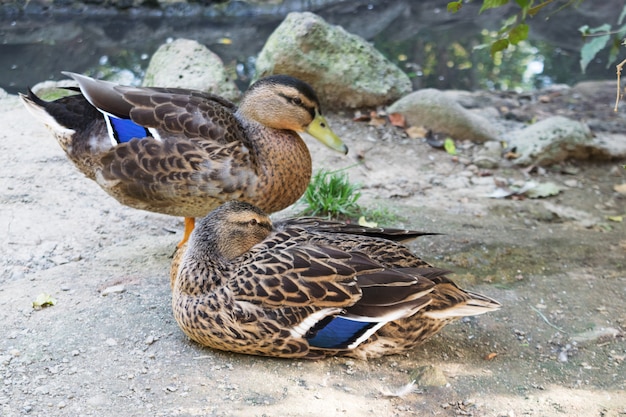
(107, 119)
(305, 325)
(366, 335)
(460, 310)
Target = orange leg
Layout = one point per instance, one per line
(190, 222)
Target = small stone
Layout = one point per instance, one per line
(429, 376)
(113, 289)
(61, 404)
(111, 342)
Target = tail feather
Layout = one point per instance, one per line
(71, 113)
(474, 305)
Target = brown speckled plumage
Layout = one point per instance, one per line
(205, 150)
(246, 285)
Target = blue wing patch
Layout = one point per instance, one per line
(125, 129)
(339, 333)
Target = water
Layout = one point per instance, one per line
(435, 48)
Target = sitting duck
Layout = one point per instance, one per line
(309, 288)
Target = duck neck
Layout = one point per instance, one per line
(283, 165)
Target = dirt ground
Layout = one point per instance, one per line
(110, 346)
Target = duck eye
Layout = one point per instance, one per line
(297, 101)
(253, 222)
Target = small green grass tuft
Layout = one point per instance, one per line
(331, 194)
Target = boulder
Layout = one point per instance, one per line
(435, 110)
(551, 141)
(186, 63)
(344, 69)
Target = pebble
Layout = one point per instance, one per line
(111, 342)
(113, 289)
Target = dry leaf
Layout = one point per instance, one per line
(620, 188)
(491, 356)
(376, 119)
(397, 119)
(416, 132)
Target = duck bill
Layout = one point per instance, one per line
(319, 129)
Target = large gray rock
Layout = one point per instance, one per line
(345, 70)
(435, 110)
(186, 63)
(551, 141)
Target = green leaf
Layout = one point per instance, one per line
(455, 6)
(522, 3)
(599, 29)
(532, 11)
(43, 300)
(448, 145)
(499, 45)
(508, 22)
(492, 4)
(590, 49)
(621, 16)
(613, 52)
(518, 33)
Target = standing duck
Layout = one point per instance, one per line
(184, 152)
(309, 288)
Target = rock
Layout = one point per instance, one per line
(608, 146)
(344, 69)
(185, 63)
(488, 157)
(551, 141)
(435, 110)
(429, 376)
(583, 218)
(113, 289)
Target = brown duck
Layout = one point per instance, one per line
(309, 288)
(183, 152)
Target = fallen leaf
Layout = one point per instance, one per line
(449, 146)
(617, 219)
(43, 300)
(397, 119)
(225, 41)
(376, 119)
(490, 356)
(501, 193)
(620, 188)
(365, 223)
(542, 190)
(415, 132)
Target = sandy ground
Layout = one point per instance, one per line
(109, 346)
